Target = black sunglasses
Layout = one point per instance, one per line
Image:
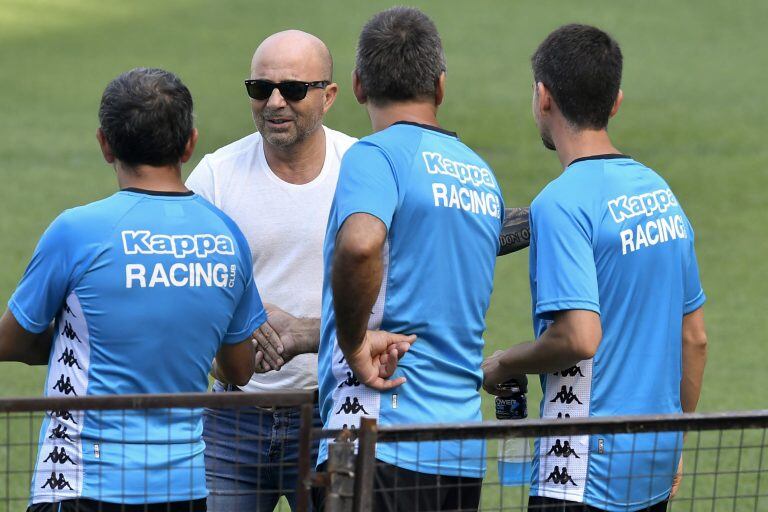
(291, 90)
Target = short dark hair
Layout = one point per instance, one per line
(581, 67)
(399, 56)
(146, 117)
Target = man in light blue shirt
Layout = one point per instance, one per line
(616, 296)
(136, 293)
(411, 247)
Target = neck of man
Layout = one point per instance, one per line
(384, 116)
(147, 177)
(573, 144)
(298, 163)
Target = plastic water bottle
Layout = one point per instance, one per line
(514, 458)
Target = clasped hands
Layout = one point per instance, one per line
(283, 336)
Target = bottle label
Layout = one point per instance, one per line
(513, 407)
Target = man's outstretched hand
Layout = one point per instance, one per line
(375, 361)
(272, 339)
(282, 337)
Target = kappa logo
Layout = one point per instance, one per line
(566, 396)
(181, 246)
(57, 483)
(351, 407)
(562, 450)
(560, 477)
(626, 207)
(59, 456)
(573, 371)
(65, 386)
(64, 415)
(69, 359)
(68, 310)
(69, 332)
(464, 173)
(60, 432)
(350, 381)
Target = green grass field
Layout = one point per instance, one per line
(694, 109)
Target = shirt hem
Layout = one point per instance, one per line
(353, 211)
(696, 303)
(234, 338)
(609, 506)
(432, 469)
(119, 500)
(566, 304)
(24, 320)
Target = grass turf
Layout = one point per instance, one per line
(694, 110)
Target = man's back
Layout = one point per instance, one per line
(616, 233)
(145, 286)
(443, 210)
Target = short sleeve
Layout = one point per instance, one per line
(46, 281)
(200, 181)
(249, 312)
(566, 274)
(694, 294)
(367, 184)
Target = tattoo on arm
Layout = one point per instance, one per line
(516, 231)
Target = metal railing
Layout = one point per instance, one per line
(726, 454)
(20, 419)
(726, 458)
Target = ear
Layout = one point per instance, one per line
(543, 97)
(190, 147)
(440, 90)
(617, 103)
(106, 150)
(357, 89)
(330, 96)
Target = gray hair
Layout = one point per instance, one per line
(399, 56)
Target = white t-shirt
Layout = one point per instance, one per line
(285, 228)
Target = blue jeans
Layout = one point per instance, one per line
(251, 456)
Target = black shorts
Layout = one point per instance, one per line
(541, 504)
(86, 505)
(401, 490)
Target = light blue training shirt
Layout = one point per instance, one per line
(443, 211)
(144, 288)
(609, 236)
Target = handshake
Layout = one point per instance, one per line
(284, 336)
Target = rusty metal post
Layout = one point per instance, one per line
(305, 453)
(341, 474)
(365, 465)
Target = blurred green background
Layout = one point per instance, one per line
(694, 109)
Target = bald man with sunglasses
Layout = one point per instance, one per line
(277, 184)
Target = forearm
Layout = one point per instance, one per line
(694, 360)
(18, 344)
(235, 363)
(355, 281)
(306, 332)
(216, 373)
(547, 355)
(516, 231)
(573, 336)
(690, 386)
(39, 352)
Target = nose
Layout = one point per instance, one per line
(276, 99)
